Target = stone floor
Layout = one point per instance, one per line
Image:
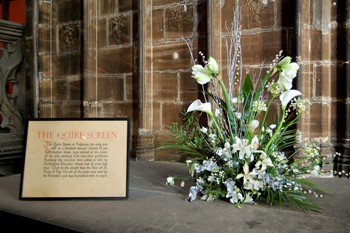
(154, 207)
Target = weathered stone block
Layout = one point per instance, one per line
(164, 2)
(188, 87)
(59, 90)
(157, 116)
(158, 29)
(107, 7)
(66, 65)
(97, 31)
(254, 14)
(172, 56)
(115, 61)
(110, 89)
(44, 110)
(132, 88)
(129, 5)
(170, 113)
(259, 47)
(67, 110)
(75, 90)
(120, 30)
(178, 21)
(116, 110)
(326, 81)
(165, 86)
(69, 37)
(45, 90)
(47, 38)
(69, 10)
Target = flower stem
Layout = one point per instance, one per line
(228, 106)
(276, 132)
(217, 127)
(268, 108)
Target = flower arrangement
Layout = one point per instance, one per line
(237, 153)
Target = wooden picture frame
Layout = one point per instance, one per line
(76, 158)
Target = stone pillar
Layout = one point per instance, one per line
(318, 78)
(111, 84)
(58, 53)
(165, 74)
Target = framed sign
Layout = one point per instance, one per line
(76, 158)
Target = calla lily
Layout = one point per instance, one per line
(204, 74)
(197, 105)
(288, 96)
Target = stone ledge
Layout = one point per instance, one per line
(154, 207)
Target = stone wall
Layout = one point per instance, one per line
(167, 86)
(111, 83)
(116, 58)
(324, 58)
(59, 58)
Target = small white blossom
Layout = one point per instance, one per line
(259, 106)
(253, 125)
(300, 105)
(182, 184)
(236, 196)
(217, 112)
(170, 181)
(193, 193)
(238, 115)
(274, 88)
(204, 130)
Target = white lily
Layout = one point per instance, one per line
(197, 105)
(264, 162)
(246, 174)
(288, 96)
(243, 147)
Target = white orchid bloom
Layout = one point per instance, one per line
(197, 105)
(204, 74)
(288, 96)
